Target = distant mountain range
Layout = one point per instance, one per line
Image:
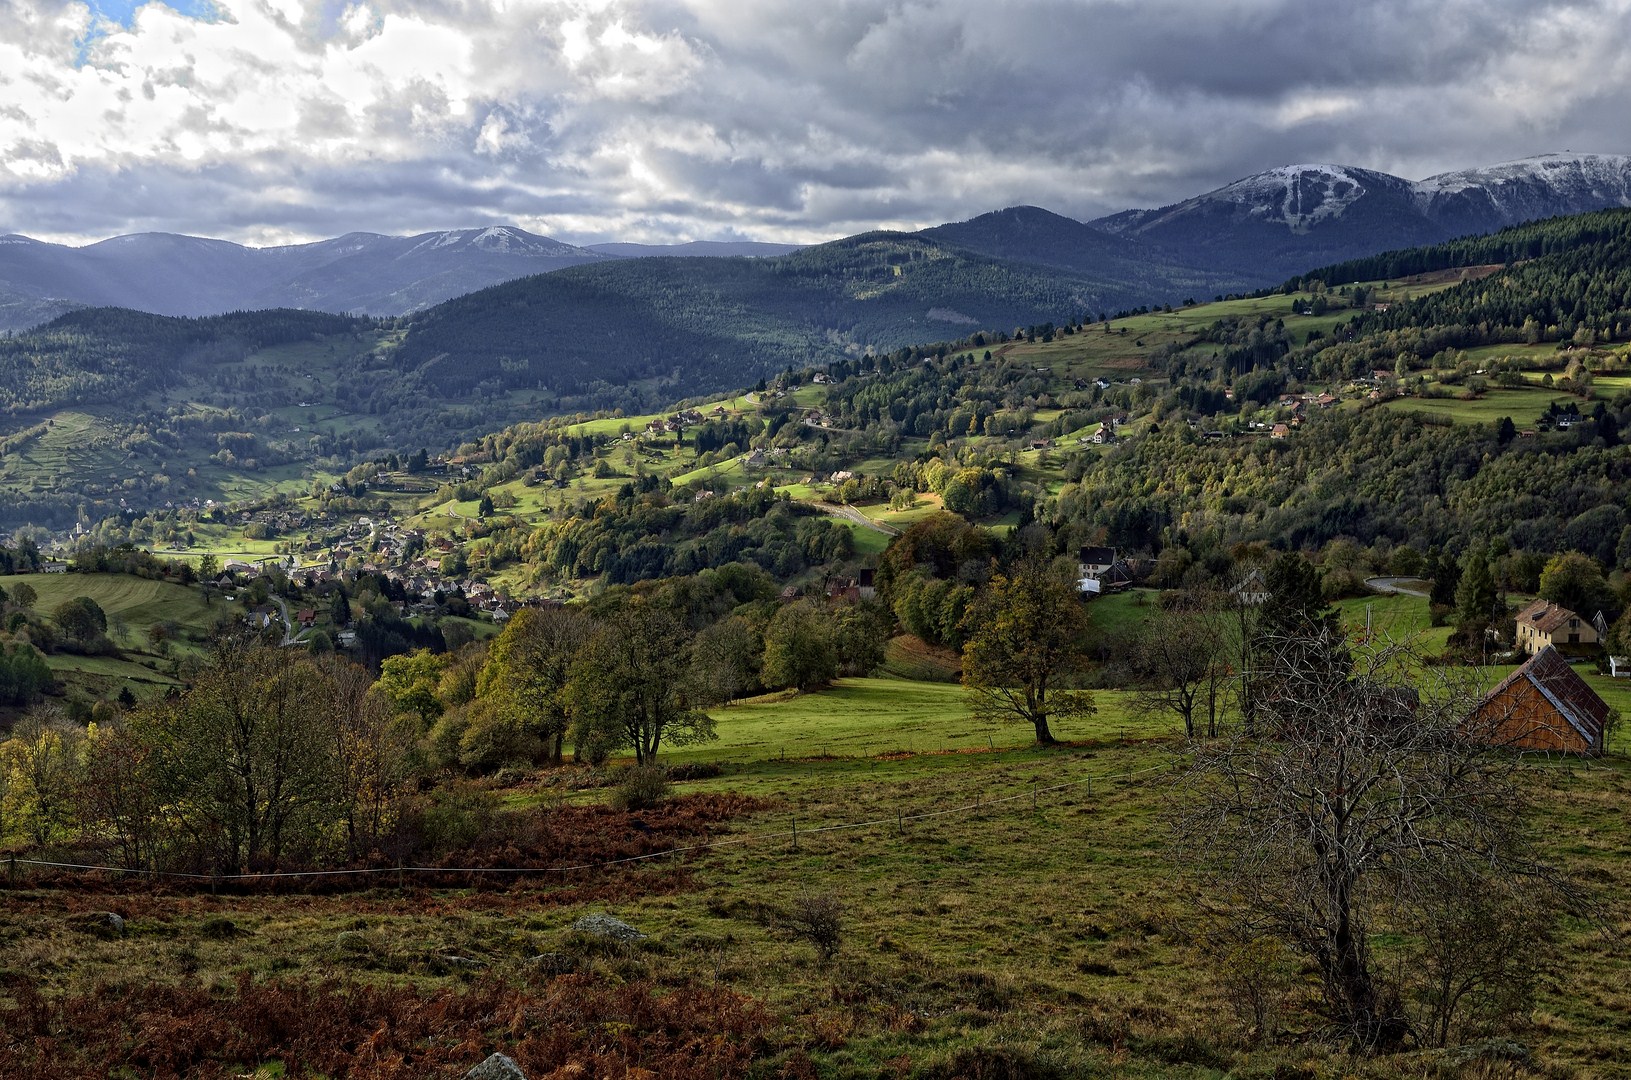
(1248, 234)
(363, 273)
(1287, 220)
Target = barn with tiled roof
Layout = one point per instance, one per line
(1544, 705)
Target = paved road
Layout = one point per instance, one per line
(291, 636)
(849, 513)
(1407, 586)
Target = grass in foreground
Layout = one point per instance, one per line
(1049, 938)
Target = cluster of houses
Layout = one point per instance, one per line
(681, 420)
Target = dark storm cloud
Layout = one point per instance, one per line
(782, 119)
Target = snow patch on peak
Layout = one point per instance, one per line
(1299, 195)
(1530, 188)
(495, 236)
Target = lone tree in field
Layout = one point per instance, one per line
(1024, 632)
(630, 685)
(1371, 807)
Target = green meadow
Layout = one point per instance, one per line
(140, 602)
(998, 903)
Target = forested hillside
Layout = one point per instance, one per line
(1531, 241)
(671, 327)
(102, 354)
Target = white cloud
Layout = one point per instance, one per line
(786, 119)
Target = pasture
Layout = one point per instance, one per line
(139, 602)
(999, 903)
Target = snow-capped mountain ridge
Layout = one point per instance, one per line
(1302, 195)
(1534, 187)
(1285, 220)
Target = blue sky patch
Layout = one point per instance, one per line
(123, 11)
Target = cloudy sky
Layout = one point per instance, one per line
(269, 121)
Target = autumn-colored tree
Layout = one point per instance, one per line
(1023, 640)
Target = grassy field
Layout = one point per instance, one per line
(868, 717)
(1523, 404)
(140, 602)
(999, 905)
(132, 605)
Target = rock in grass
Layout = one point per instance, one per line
(496, 1067)
(604, 926)
(106, 924)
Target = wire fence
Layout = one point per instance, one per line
(897, 821)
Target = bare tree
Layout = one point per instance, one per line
(1371, 800)
(1181, 660)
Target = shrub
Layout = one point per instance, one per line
(641, 788)
(819, 919)
(452, 819)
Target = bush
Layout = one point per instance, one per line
(641, 788)
(451, 819)
(819, 919)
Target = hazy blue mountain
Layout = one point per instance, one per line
(184, 275)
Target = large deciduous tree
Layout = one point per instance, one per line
(801, 647)
(527, 671)
(1023, 642)
(630, 686)
(245, 760)
(82, 619)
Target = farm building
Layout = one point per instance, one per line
(1544, 623)
(1544, 705)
